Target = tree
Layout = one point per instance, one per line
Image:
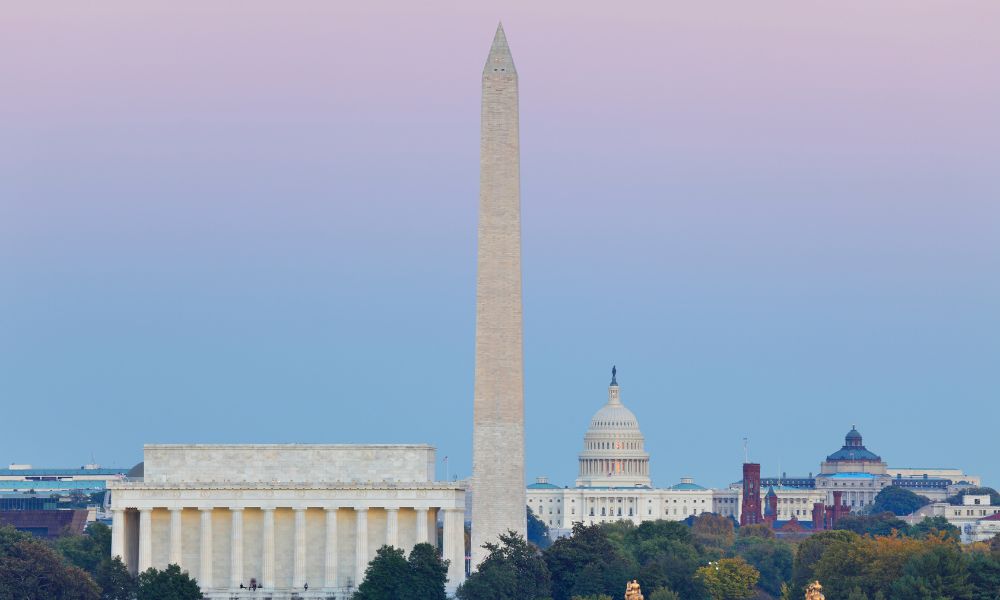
(89, 550)
(728, 579)
(710, 529)
(875, 524)
(809, 553)
(115, 581)
(984, 575)
(664, 594)
(538, 531)
(428, 574)
(387, 576)
(593, 597)
(757, 530)
(587, 563)
(168, 584)
(936, 525)
(857, 594)
(31, 570)
(512, 570)
(937, 572)
(772, 558)
(898, 501)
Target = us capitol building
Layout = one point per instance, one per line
(613, 483)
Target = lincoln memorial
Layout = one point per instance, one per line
(292, 519)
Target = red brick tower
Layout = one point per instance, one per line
(771, 508)
(819, 516)
(751, 495)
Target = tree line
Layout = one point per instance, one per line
(868, 557)
(80, 567)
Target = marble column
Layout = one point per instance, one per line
(392, 527)
(454, 545)
(205, 554)
(236, 548)
(145, 539)
(118, 533)
(299, 560)
(330, 561)
(175, 537)
(422, 526)
(361, 545)
(267, 576)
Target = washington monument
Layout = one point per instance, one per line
(498, 497)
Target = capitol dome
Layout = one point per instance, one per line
(613, 447)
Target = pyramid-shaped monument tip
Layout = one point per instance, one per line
(500, 59)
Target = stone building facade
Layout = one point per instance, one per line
(292, 519)
(613, 483)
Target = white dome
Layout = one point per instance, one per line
(613, 416)
(613, 453)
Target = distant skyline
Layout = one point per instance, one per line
(241, 222)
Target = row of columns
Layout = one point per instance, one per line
(453, 518)
(628, 466)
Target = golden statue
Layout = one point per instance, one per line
(815, 591)
(632, 591)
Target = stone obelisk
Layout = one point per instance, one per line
(498, 496)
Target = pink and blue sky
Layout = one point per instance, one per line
(255, 222)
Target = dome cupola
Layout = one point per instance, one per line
(613, 447)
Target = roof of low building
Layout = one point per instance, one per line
(59, 472)
(687, 486)
(848, 476)
(543, 486)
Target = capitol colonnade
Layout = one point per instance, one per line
(283, 535)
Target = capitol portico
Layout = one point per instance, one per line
(295, 518)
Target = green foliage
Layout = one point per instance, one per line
(898, 501)
(593, 597)
(391, 576)
(538, 531)
(809, 552)
(976, 491)
(663, 594)
(936, 526)
(758, 531)
(713, 530)
(728, 579)
(937, 572)
(772, 559)
(386, 577)
(31, 570)
(875, 524)
(512, 570)
(857, 594)
(588, 563)
(89, 550)
(169, 584)
(984, 575)
(428, 574)
(115, 581)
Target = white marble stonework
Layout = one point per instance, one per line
(283, 515)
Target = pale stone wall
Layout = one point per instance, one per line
(291, 463)
(155, 503)
(498, 404)
(559, 508)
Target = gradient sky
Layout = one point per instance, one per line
(255, 222)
